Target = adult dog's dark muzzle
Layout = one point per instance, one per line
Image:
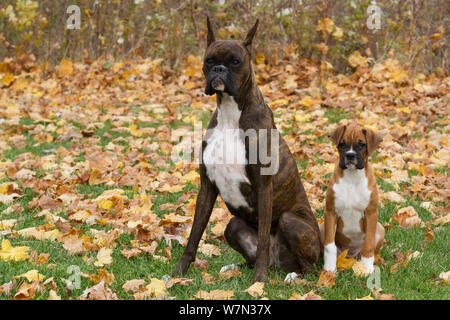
(220, 80)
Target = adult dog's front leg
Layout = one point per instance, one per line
(264, 198)
(205, 202)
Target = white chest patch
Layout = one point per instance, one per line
(224, 155)
(352, 197)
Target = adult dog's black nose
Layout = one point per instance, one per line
(219, 69)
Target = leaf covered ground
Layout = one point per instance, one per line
(89, 191)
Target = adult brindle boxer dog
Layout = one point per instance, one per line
(273, 223)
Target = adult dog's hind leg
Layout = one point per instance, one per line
(242, 238)
(302, 239)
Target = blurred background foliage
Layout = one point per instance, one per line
(414, 32)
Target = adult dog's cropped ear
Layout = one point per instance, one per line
(373, 140)
(337, 134)
(249, 38)
(211, 37)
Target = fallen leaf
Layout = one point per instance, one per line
(73, 244)
(53, 295)
(104, 275)
(326, 279)
(98, 292)
(104, 257)
(27, 290)
(445, 276)
(344, 263)
(360, 269)
(133, 285)
(214, 295)
(209, 249)
(6, 288)
(155, 289)
(307, 296)
(407, 217)
(130, 253)
(382, 296)
(10, 253)
(32, 275)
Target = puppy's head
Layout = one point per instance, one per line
(355, 144)
(227, 64)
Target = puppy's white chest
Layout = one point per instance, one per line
(224, 155)
(352, 196)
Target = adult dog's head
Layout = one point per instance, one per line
(227, 64)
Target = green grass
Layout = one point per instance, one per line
(418, 280)
(415, 281)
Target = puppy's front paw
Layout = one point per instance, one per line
(368, 263)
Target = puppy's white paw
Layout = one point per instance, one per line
(368, 262)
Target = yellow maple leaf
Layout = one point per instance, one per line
(343, 262)
(190, 176)
(10, 253)
(338, 34)
(326, 279)
(356, 60)
(105, 204)
(301, 117)
(8, 79)
(31, 275)
(259, 58)
(65, 68)
(135, 131)
(399, 75)
(156, 287)
(104, 257)
(279, 102)
(325, 25)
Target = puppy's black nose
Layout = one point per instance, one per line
(350, 156)
(219, 69)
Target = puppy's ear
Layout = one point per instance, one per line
(249, 38)
(337, 134)
(211, 37)
(373, 140)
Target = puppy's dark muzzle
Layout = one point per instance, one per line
(352, 158)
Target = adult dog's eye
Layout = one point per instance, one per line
(235, 62)
(209, 61)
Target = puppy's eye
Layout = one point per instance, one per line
(362, 145)
(341, 145)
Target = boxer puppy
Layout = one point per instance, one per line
(351, 211)
(273, 223)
